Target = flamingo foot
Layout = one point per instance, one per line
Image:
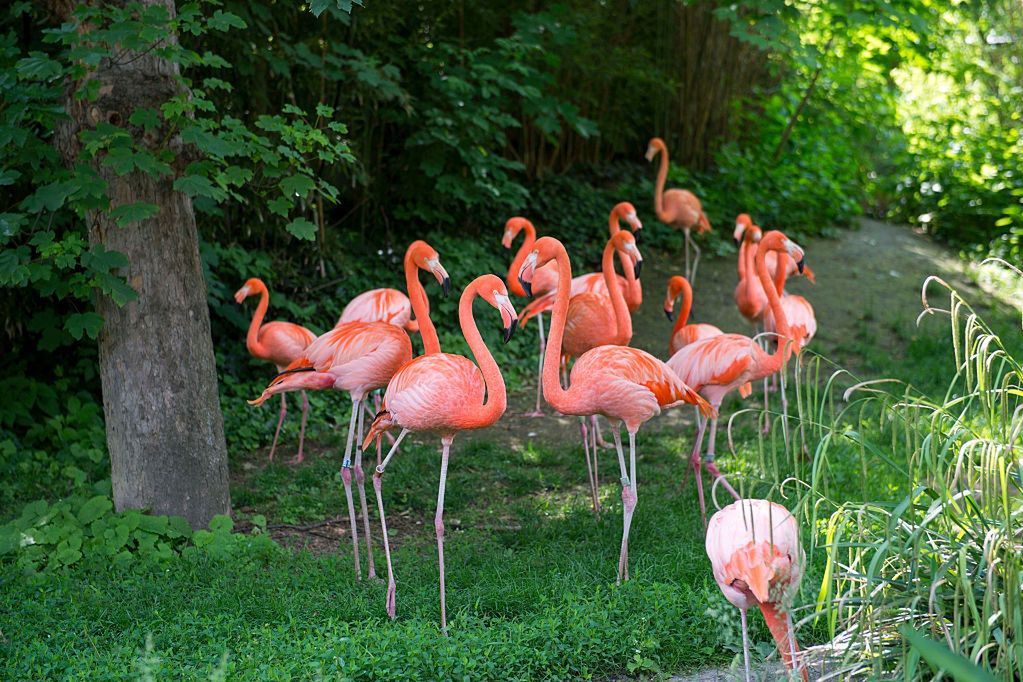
(713, 470)
(296, 460)
(392, 601)
(535, 413)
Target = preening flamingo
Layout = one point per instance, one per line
(683, 334)
(547, 281)
(357, 357)
(380, 305)
(721, 364)
(623, 384)
(444, 394)
(754, 548)
(594, 281)
(278, 342)
(678, 208)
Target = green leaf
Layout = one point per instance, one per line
(132, 213)
(38, 67)
(297, 185)
(302, 228)
(80, 324)
(94, 508)
(942, 658)
(222, 21)
(145, 118)
(195, 185)
(99, 259)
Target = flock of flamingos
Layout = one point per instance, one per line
(752, 544)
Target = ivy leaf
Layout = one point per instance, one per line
(48, 197)
(280, 206)
(94, 508)
(80, 324)
(133, 213)
(145, 118)
(119, 291)
(297, 185)
(302, 228)
(222, 21)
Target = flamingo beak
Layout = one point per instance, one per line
(737, 242)
(509, 331)
(506, 240)
(670, 314)
(441, 274)
(241, 294)
(509, 317)
(800, 265)
(526, 274)
(638, 268)
(651, 152)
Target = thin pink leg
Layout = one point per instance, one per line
(346, 478)
(280, 422)
(391, 599)
(712, 468)
(589, 466)
(297, 459)
(696, 464)
(596, 467)
(629, 499)
(360, 477)
(539, 371)
(600, 438)
(438, 524)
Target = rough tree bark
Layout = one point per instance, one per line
(165, 431)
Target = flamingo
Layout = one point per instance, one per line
(280, 343)
(444, 394)
(547, 280)
(754, 549)
(678, 208)
(543, 300)
(683, 334)
(380, 305)
(624, 384)
(721, 364)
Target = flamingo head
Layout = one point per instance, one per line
(777, 241)
(742, 223)
(625, 244)
(492, 290)
(544, 251)
(426, 258)
(512, 228)
(627, 212)
(251, 286)
(297, 378)
(655, 145)
(676, 285)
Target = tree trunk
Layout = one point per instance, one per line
(165, 432)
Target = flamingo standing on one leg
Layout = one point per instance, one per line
(444, 394)
(754, 548)
(280, 343)
(623, 384)
(678, 208)
(683, 334)
(721, 364)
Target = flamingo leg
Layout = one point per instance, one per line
(689, 274)
(696, 259)
(378, 484)
(695, 461)
(539, 370)
(709, 465)
(784, 408)
(629, 499)
(360, 478)
(280, 422)
(438, 524)
(346, 477)
(745, 643)
(600, 438)
(596, 468)
(301, 432)
(589, 465)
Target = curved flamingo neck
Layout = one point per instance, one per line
(778, 623)
(252, 336)
(781, 272)
(520, 256)
(497, 397)
(557, 397)
(750, 272)
(623, 320)
(634, 295)
(687, 306)
(420, 306)
(662, 177)
(743, 248)
(783, 349)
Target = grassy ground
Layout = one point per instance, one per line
(531, 591)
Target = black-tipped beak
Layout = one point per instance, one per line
(639, 267)
(800, 266)
(526, 286)
(446, 285)
(509, 331)
(737, 242)
(635, 235)
(670, 314)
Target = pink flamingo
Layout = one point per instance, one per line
(678, 208)
(547, 281)
(278, 342)
(594, 281)
(380, 305)
(444, 394)
(623, 384)
(721, 364)
(754, 549)
(683, 334)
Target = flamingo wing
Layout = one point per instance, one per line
(440, 392)
(362, 355)
(717, 361)
(284, 341)
(378, 305)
